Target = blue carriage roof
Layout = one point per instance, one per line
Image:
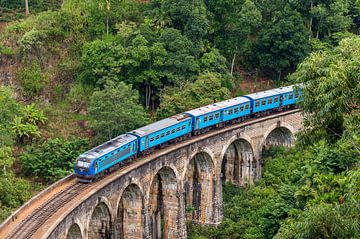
(233, 102)
(204, 110)
(285, 89)
(217, 106)
(159, 125)
(262, 94)
(109, 146)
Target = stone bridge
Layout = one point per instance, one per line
(182, 182)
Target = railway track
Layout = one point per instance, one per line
(40, 215)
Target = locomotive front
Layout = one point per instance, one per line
(85, 167)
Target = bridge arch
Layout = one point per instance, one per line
(163, 204)
(278, 134)
(129, 221)
(74, 232)
(238, 164)
(199, 186)
(100, 223)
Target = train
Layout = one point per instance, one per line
(96, 162)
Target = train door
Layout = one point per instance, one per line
(197, 123)
(281, 100)
(147, 142)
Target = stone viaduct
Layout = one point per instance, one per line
(183, 182)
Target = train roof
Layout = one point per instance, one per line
(217, 106)
(262, 94)
(159, 125)
(109, 146)
(232, 102)
(285, 89)
(204, 110)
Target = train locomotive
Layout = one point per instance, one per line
(98, 161)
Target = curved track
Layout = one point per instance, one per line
(40, 216)
(34, 221)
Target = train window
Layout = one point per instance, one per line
(247, 106)
(205, 118)
(230, 111)
(236, 110)
(263, 102)
(163, 134)
(183, 127)
(152, 139)
(157, 137)
(291, 96)
(178, 129)
(217, 115)
(168, 132)
(270, 101)
(257, 103)
(276, 99)
(211, 117)
(284, 97)
(173, 131)
(242, 108)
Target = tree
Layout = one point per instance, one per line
(26, 7)
(331, 87)
(283, 42)
(207, 89)
(247, 22)
(115, 110)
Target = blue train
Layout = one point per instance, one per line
(99, 160)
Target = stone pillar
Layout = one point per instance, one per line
(218, 210)
(182, 233)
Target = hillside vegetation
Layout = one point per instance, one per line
(72, 68)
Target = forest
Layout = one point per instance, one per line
(70, 69)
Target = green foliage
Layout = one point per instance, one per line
(147, 60)
(283, 41)
(331, 87)
(6, 160)
(207, 89)
(53, 159)
(26, 126)
(9, 108)
(13, 193)
(32, 80)
(115, 110)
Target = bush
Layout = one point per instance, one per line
(32, 80)
(52, 159)
(26, 126)
(13, 193)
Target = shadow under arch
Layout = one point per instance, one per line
(238, 165)
(164, 204)
(199, 187)
(129, 222)
(74, 232)
(100, 222)
(279, 136)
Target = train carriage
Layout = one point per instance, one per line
(264, 101)
(205, 117)
(162, 131)
(289, 95)
(234, 108)
(103, 157)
